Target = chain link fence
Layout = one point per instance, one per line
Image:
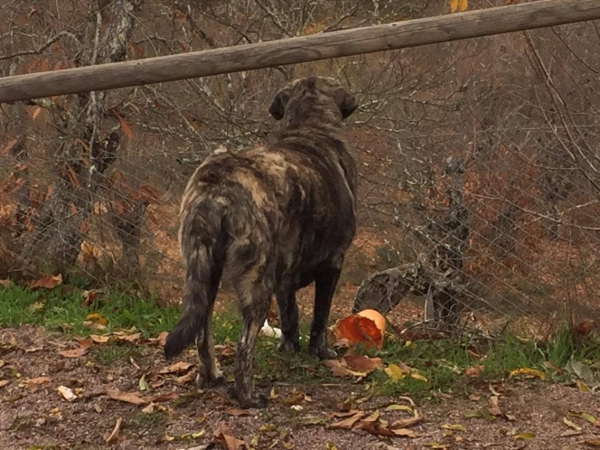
(478, 160)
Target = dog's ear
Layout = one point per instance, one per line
(346, 102)
(277, 108)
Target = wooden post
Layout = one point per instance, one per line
(295, 50)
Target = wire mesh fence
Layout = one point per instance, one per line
(478, 160)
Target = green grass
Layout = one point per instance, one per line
(56, 310)
(441, 362)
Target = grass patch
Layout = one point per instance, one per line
(442, 362)
(59, 309)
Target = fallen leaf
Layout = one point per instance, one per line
(447, 426)
(348, 423)
(592, 442)
(95, 317)
(148, 409)
(474, 371)
(570, 433)
(184, 379)
(403, 432)
(408, 409)
(236, 412)
(178, 367)
(406, 423)
(582, 386)
(1, 362)
(160, 340)
(493, 408)
(525, 436)
(5, 283)
(394, 372)
(471, 413)
(361, 363)
(294, 397)
(75, 353)
(4, 383)
(47, 282)
(128, 337)
(474, 397)
(164, 397)
(224, 435)
(571, 424)
(115, 432)
(528, 372)
(376, 428)
(338, 370)
(99, 339)
(342, 414)
(129, 397)
(67, 393)
(583, 415)
(417, 376)
(39, 380)
(453, 5)
(463, 5)
(143, 384)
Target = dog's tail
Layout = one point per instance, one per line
(203, 247)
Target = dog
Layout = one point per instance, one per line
(272, 220)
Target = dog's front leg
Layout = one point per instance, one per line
(288, 316)
(325, 282)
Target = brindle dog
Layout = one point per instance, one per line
(271, 219)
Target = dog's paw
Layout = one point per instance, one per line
(246, 402)
(289, 346)
(322, 352)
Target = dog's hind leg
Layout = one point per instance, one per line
(326, 279)
(255, 303)
(207, 364)
(288, 315)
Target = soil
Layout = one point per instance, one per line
(33, 414)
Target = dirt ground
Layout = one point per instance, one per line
(35, 415)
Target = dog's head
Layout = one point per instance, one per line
(313, 100)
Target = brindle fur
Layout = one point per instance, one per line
(271, 219)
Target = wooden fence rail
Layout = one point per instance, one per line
(295, 50)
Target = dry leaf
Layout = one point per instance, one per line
(582, 386)
(447, 426)
(224, 435)
(164, 397)
(47, 282)
(187, 378)
(493, 408)
(403, 432)
(463, 5)
(338, 370)
(178, 367)
(4, 383)
(99, 339)
(408, 409)
(67, 393)
(527, 372)
(406, 423)
(38, 381)
(236, 412)
(525, 436)
(148, 409)
(592, 442)
(75, 353)
(453, 5)
(124, 125)
(570, 424)
(115, 432)
(474, 372)
(160, 340)
(95, 317)
(348, 423)
(361, 363)
(134, 398)
(128, 337)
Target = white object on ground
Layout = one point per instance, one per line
(268, 330)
